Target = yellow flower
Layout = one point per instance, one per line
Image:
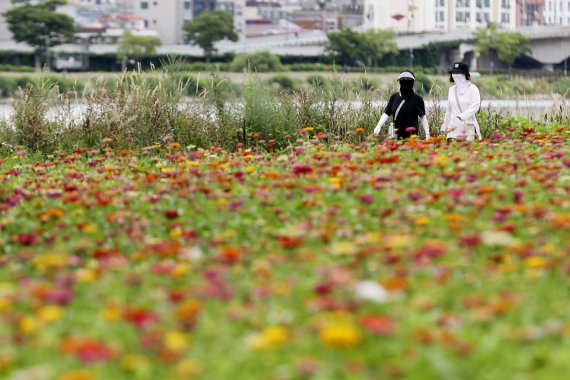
(270, 337)
(340, 334)
(135, 363)
(77, 375)
(50, 313)
(249, 169)
(186, 369)
(111, 313)
(28, 325)
(89, 228)
(181, 270)
(422, 221)
(176, 340)
(5, 304)
(175, 232)
(50, 260)
(535, 262)
(85, 275)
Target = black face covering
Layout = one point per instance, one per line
(406, 88)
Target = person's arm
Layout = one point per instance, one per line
(473, 106)
(421, 108)
(383, 119)
(425, 124)
(447, 118)
(478, 131)
(385, 116)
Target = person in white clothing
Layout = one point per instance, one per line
(405, 107)
(463, 103)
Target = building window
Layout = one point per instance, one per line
(144, 4)
(186, 5)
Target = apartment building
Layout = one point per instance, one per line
(530, 12)
(557, 12)
(415, 16)
(403, 16)
(5, 34)
(168, 16)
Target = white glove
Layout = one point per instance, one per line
(383, 120)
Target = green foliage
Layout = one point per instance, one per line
(500, 87)
(284, 82)
(9, 85)
(32, 128)
(137, 46)
(305, 67)
(507, 45)
(196, 67)
(265, 117)
(260, 62)
(367, 84)
(423, 84)
(562, 86)
(349, 47)
(317, 80)
(39, 25)
(16, 68)
(208, 28)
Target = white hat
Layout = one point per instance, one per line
(406, 74)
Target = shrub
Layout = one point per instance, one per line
(562, 86)
(257, 62)
(285, 82)
(367, 84)
(195, 67)
(423, 84)
(16, 68)
(305, 67)
(7, 86)
(317, 80)
(32, 128)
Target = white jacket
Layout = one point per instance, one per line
(470, 103)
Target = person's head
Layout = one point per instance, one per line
(406, 80)
(459, 68)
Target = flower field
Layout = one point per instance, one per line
(409, 261)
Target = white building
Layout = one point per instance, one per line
(557, 12)
(237, 9)
(167, 17)
(164, 16)
(5, 34)
(416, 16)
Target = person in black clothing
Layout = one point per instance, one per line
(405, 107)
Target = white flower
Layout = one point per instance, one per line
(371, 291)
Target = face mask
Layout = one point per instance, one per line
(458, 78)
(406, 86)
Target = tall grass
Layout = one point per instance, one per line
(134, 111)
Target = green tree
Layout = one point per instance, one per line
(508, 46)
(260, 62)
(37, 24)
(136, 46)
(347, 46)
(208, 28)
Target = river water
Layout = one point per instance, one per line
(525, 108)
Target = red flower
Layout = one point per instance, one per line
(140, 317)
(301, 169)
(378, 324)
